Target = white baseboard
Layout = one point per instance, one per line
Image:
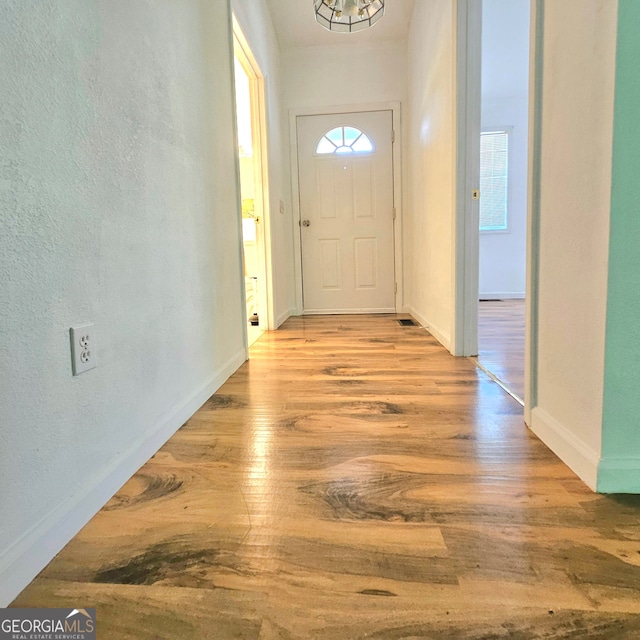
(345, 312)
(503, 296)
(283, 317)
(437, 333)
(619, 475)
(31, 553)
(580, 458)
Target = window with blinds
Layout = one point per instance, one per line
(494, 169)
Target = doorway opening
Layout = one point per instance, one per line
(250, 118)
(504, 150)
(492, 232)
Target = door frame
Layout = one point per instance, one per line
(466, 256)
(242, 50)
(394, 107)
(536, 66)
(468, 32)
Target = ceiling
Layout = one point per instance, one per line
(295, 24)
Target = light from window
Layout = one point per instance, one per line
(494, 167)
(344, 140)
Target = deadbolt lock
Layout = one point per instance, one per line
(306, 223)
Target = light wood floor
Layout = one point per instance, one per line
(501, 341)
(354, 481)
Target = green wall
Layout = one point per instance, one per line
(619, 469)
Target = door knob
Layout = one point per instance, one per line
(306, 223)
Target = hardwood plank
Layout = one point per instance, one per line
(354, 480)
(501, 341)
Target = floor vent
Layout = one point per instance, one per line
(407, 322)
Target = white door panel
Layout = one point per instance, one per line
(346, 203)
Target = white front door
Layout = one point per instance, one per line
(346, 211)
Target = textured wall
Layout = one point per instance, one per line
(429, 219)
(577, 130)
(341, 74)
(620, 465)
(118, 207)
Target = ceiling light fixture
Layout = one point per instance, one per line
(347, 16)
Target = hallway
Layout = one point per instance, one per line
(354, 480)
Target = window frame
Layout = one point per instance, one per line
(508, 130)
(351, 153)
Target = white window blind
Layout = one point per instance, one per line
(494, 168)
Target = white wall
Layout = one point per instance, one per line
(255, 21)
(575, 191)
(119, 207)
(505, 103)
(430, 132)
(345, 74)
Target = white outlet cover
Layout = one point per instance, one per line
(83, 348)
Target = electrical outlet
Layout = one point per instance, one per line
(83, 348)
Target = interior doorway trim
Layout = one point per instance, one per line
(394, 107)
(467, 172)
(469, 47)
(536, 65)
(242, 51)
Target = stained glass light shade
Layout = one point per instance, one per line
(348, 16)
(344, 140)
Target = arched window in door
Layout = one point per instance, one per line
(344, 140)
